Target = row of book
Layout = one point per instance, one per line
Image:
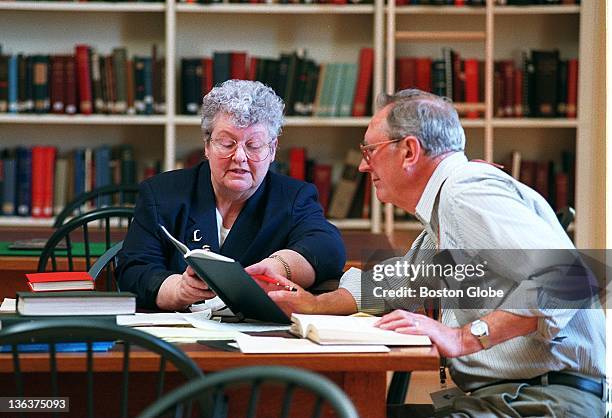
(37, 182)
(540, 85)
(307, 88)
(86, 82)
(554, 180)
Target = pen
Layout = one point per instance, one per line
(270, 280)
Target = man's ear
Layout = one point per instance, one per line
(411, 151)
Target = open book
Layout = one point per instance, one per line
(227, 278)
(331, 329)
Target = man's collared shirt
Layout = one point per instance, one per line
(473, 206)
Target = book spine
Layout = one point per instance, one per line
(70, 84)
(364, 82)
(13, 82)
(49, 180)
(38, 181)
(84, 80)
(4, 70)
(24, 181)
(57, 84)
(572, 88)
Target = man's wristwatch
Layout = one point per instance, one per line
(480, 330)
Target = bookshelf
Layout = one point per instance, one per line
(329, 33)
(490, 33)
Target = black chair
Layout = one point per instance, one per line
(124, 193)
(285, 381)
(108, 263)
(398, 388)
(96, 222)
(89, 331)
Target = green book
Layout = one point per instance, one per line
(76, 303)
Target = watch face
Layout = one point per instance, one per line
(479, 328)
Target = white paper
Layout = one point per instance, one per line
(275, 345)
(160, 319)
(8, 305)
(187, 334)
(209, 324)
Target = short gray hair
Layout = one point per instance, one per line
(246, 102)
(430, 118)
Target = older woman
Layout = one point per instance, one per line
(231, 203)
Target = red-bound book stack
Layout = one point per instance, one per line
(60, 280)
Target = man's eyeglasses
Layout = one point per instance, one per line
(255, 150)
(368, 149)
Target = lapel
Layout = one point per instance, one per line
(201, 228)
(248, 224)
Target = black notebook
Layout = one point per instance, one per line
(231, 283)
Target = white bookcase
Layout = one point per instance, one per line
(328, 33)
(498, 32)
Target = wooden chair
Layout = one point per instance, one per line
(125, 194)
(108, 263)
(97, 222)
(89, 331)
(284, 380)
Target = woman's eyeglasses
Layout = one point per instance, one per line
(255, 150)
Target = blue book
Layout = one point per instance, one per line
(24, 181)
(13, 79)
(102, 156)
(73, 347)
(148, 85)
(79, 171)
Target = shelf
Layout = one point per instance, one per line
(305, 121)
(25, 221)
(275, 8)
(69, 6)
(351, 223)
(50, 119)
(439, 10)
(534, 123)
(437, 36)
(536, 10)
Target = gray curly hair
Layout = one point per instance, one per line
(246, 102)
(430, 118)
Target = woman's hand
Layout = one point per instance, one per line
(299, 301)
(179, 291)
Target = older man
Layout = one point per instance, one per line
(515, 360)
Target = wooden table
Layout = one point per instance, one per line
(362, 376)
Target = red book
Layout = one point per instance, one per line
(471, 85)
(60, 280)
(70, 86)
(207, 75)
(541, 178)
(518, 92)
(561, 190)
(238, 65)
(406, 73)
(572, 88)
(507, 68)
(38, 181)
(528, 173)
(49, 182)
(84, 79)
(459, 2)
(364, 82)
(297, 163)
(252, 68)
(423, 74)
(322, 181)
(57, 83)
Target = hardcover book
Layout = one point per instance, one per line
(60, 280)
(75, 303)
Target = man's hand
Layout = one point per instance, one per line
(449, 341)
(179, 291)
